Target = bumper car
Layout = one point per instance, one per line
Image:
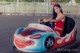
(39, 38)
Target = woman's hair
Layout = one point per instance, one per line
(54, 13)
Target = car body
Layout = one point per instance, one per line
(38, 38)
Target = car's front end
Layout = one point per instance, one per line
(33, 42)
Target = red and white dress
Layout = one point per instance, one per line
(59, 27)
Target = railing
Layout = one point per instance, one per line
(35, 7)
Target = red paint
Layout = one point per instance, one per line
(22, 43)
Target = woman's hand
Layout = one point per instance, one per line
(39, 20)
(45, 20)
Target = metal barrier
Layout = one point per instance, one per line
(12, 8)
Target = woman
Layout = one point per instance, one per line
(58, 18)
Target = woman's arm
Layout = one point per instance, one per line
(44, 20)
(57, 19)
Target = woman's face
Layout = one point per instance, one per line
(57, 9)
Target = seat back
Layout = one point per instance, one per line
(68, 26)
